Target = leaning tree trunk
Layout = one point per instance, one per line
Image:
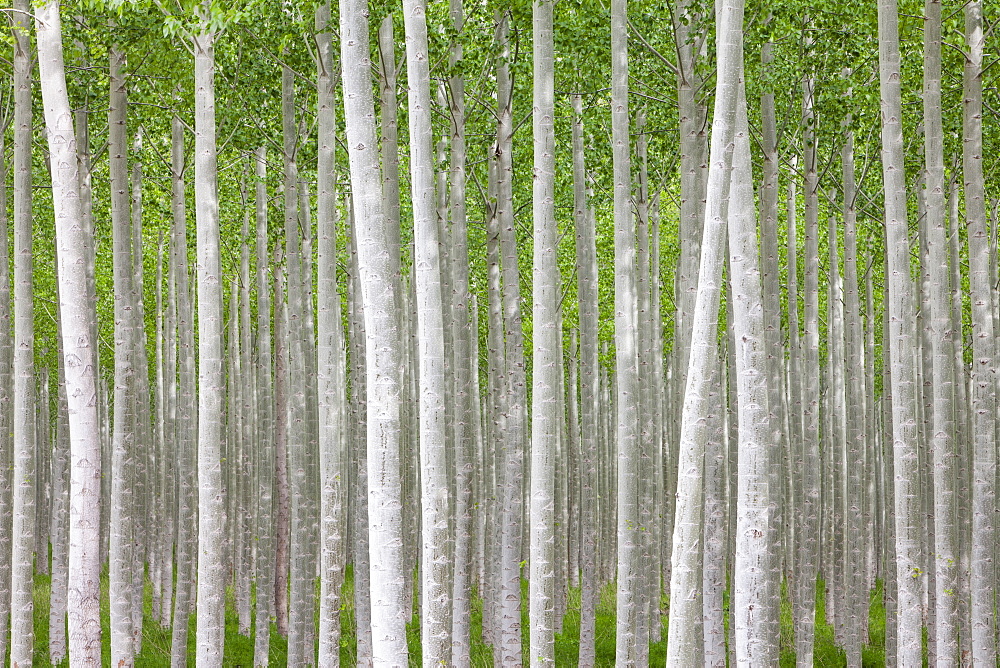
(684, 639)
(78, 406)
(902, 371)
(211, 508)
(378, 261)
(757, 592)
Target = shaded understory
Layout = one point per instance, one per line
(239, 649)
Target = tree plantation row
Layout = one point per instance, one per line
(409, 334)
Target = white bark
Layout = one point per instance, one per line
(902, 372)
(187, 474)
(858, 460)
(756, 591)
(22, 533)
(6, 401)
(626, 353)
(435, 593)
(466, 401)
(123, 443)
(684, 639)
(378, 262)
(983, 397)
(942, 350)
(211, 508)
(515, 383)
(265, 417)
(547, 365)
(808, 540)
(587, 291)
(331, 369)
(77, 413)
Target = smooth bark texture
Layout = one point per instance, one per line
(626, 352)
(983, 399)
(331, 370)
(435, 593)
(515, 382)
(78, 423)
(684, 640)
(378, 262)
(756, 590)
(587, 293)
(942, 351)
(22, 485)
(187, 473)
(546, 350)
(265, 416)
(902, 372)
(211, 508)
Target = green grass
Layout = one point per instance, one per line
(239, 649)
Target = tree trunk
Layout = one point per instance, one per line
(123, 444)
(78, 437)
(21, 565)
(902, 372)
(330, 372)
(187, 415)
(808, 540)
(546, 361)
(465, 401)
(942, 350)
(684, 640)
(515, 384)
(983, 383)
(629, 598)
(857, 463)
(378, 261)
(587, 293)
(434, 484)
(6, 401)
(211, 508)
(265, 416)
(757, 592)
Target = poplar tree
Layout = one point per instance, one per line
(546, 353)
(626, 352)
(434, 484)
(378, 262)
(684, 646)
(983, 395)
(211, 510)
(902, 373)
(330, 372)
(78, 425)
(22, 485)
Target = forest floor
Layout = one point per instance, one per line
(239, 648)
